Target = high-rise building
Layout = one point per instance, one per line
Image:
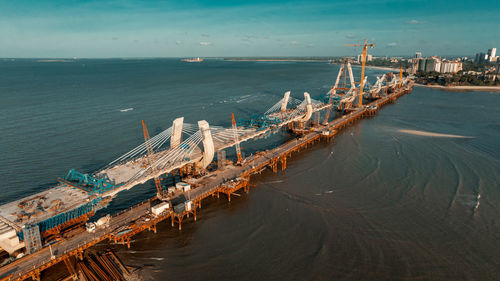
(429, 64)
(481, 57)
(435, 64)
(418, 55)
(368, 58)
(492, 52)
(491, 56)
(451, 66)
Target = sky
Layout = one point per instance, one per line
(185, 28)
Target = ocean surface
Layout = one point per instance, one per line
(387, 200)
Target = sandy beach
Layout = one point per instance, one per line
(384, 68)
(432, 134)
(463, 88)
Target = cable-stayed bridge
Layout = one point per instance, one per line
(201, 142)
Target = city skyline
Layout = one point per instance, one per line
(100, 29)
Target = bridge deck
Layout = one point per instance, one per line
(43, 205)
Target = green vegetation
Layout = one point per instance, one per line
(388, 63)
(473, 74)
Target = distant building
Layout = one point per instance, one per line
(429, 64)
(435, 64)
(368, 58)
(481, 57)
(491, 56)
(450, 66)
(492, 53)
(418, 55)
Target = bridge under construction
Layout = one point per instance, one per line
(50, 227)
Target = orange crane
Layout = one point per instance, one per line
(150, 157)
(400, 76)
(365, 47)
(237, 145)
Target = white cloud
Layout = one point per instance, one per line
(349, 36)
(392, 44)
(414, 22)
(205, 43)
(294, 43)
(177, 42)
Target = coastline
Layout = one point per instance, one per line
(277, 60)
(312, 60)
(382, 68)
(462, 88)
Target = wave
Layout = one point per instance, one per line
(126, 109)
(431, 134)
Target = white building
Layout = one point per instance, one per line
(368, 58)
(490, 56)
(492, 53)
(437, 64)
(450, 66)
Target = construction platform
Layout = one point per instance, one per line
(124, 225)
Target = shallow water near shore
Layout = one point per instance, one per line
(375, 204)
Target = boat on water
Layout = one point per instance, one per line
(193, 60)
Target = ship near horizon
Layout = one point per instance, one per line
(198, 59)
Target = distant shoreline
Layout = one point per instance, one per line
(279, 60)
(463, 88)
(383, 68)
(311, 60)
(54, 60)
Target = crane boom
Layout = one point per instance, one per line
(365, 47)
(150, 156)
(237, 142)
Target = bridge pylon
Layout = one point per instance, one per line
(176, 138)
(208, 144)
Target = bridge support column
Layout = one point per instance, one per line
(208, 144)
(309, 109)
(176, 137)
(285, 101)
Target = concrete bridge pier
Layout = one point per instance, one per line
(301, 123)
(176, 138)
(285, 101)
(208, 145)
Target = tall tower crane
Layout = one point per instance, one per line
(150, 158)
(235, 133)
(400, 76)
(365, 47)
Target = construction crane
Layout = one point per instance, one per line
(150, 158)
(365, 47)
(237, 145)
(400, 76)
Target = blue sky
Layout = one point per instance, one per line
(65, 28)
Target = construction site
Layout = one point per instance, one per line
(187, 163)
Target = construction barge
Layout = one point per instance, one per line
(44, 240)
